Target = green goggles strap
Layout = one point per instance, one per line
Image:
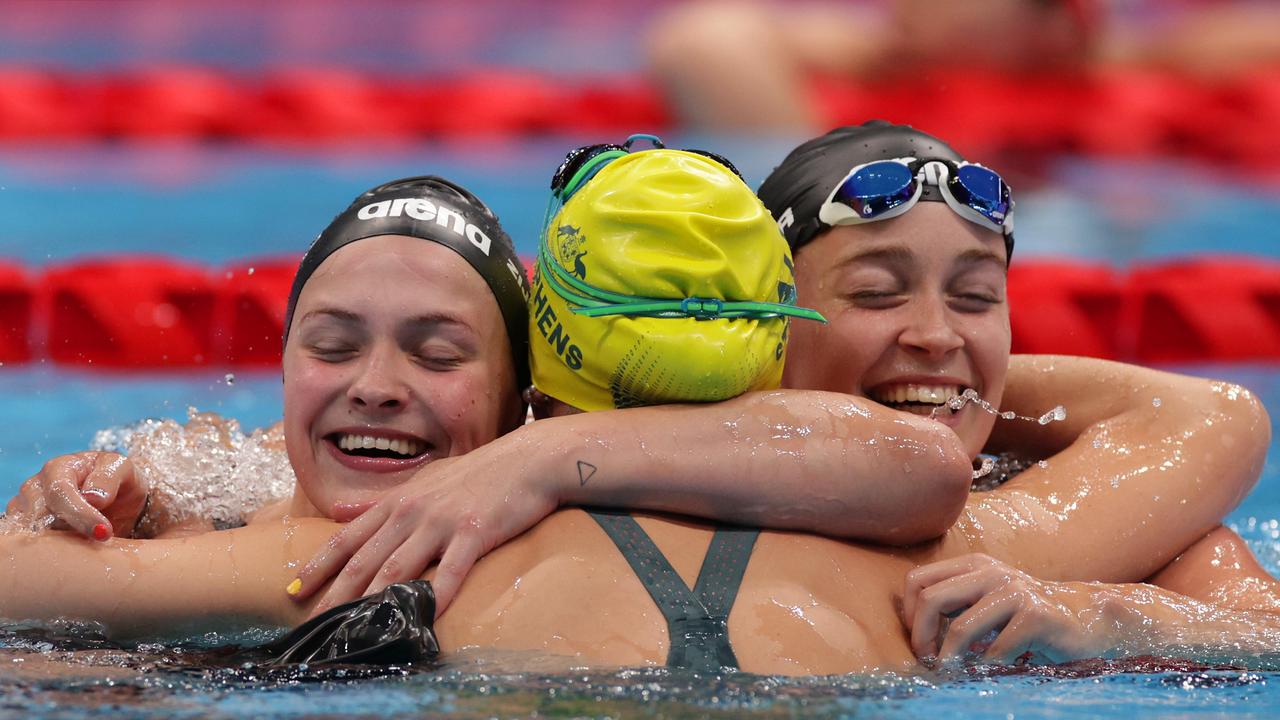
(596, 302)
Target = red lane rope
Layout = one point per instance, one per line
(1126, 112)
(141, 312)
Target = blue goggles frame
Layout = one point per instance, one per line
(885, 189)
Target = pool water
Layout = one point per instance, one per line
(53, 676)
(168, 684)
(218, 205)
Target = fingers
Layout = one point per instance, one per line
(458, 560)
(111, 480)
(336, 553)
(932, 574)
(991, 613)
(62, 495)
(29, 500)
(943, 599)
(408, 561)
(359, 571)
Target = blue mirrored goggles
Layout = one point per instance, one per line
(888, 188)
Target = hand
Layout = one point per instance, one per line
(1051, 621)
(97, 494)
(455, 510)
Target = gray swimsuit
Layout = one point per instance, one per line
(698, 619)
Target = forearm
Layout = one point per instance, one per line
(157, 588)
(1220, 569)
(1155, 621)
(1169, 458)
(821, 462)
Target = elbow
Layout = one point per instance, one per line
(936, 503)
(1247, 433)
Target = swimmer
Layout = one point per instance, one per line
(805, 605)
(378, 382)
(913, 300)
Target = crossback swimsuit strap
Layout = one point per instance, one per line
(698, 619)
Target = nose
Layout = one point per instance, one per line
(379, 383)
(930, 329)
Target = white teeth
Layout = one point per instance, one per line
(407, 448)
(907, 392)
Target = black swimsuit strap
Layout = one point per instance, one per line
(697, 620)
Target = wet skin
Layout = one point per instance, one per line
(393, 338)
(917, 300)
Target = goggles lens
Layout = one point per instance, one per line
(876, 188)
(982, 190)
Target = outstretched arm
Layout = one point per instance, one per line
(1221, 569)
(812, 461)
(953, 609)
(1146, 463)
(158, 587)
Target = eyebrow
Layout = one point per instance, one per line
(345, 316)
(348, 317)
(893, 255)
(978, 256)
(899, 255)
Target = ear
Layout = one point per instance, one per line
(539, 402)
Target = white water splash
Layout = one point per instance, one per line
(206, 469)
(970, 397)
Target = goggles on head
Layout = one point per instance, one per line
(582, 164)
(885, 189)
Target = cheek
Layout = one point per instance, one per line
(467, 408)
(835, 356)
(307, 388)
(989, 344)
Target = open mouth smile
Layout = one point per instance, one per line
(372, 450)
(915, 398)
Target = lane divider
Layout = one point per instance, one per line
(156, 313)
(1125, 112)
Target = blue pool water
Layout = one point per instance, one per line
(53, 411)
(219, 205)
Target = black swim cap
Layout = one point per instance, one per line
(809, 173)
(434, 209)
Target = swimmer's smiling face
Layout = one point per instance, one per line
(917, 312)
(397, 355)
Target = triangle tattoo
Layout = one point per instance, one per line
(585, 471)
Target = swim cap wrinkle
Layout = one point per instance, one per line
(795, 191)
(436, 210)
(680, 230)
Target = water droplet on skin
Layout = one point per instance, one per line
(1155, 402)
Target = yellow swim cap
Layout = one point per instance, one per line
(662, 279)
